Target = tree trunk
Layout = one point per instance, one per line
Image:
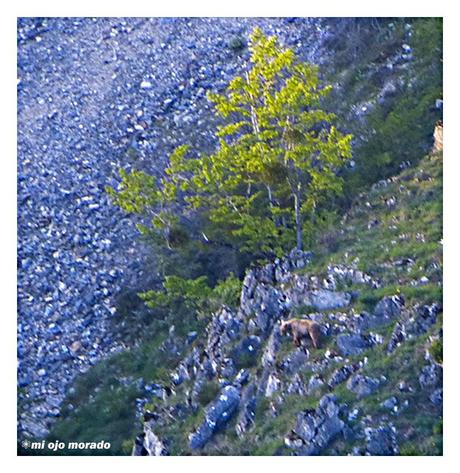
(298, 219)
(248, 191)
(270, 198)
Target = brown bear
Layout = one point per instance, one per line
(300, 328)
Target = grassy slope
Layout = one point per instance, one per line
(410, 229)
(104, 407)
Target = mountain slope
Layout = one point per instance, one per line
(379, 358)
(134, 89)
(374, 283)
(375, 384)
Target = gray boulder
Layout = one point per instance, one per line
(247, 412)
(322, 299)
(343, 373)
(303, 290)
(430, 376)
(351, 344)
(273, 385)
(362, 386)
(271, 349)
(317, 427)
(347, 275)
(153, 444)
(216, 416)
(315, 382)
(389, 308)
(425, 316)
(249, 285)
(267, 306)
(398, 336)
(224, 324)
(294, 361)
(436, 397)
(297, 386)
(414, 324)
(149, 444)
(299, 258)
(223, 328)
(260, 300)
(381, 440)
(390, 403)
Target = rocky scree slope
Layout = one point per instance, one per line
(374, 387)
(94, 95)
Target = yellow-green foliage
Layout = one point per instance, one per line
(277, 158)
(436, 350)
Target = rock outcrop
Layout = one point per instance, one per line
(243, 353)
(316, 428)
(216, 416)
(362, 385)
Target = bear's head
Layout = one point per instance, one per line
(284, 326)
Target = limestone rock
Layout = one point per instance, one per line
(381, 440)
(216, 416)
(389, 308)
(343, 373)
(317, 427)
(362, 386)
(149, 444)
(430, 376)
(273, 385)
(351, 344)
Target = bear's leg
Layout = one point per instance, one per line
(303, 345)
(314, 338)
